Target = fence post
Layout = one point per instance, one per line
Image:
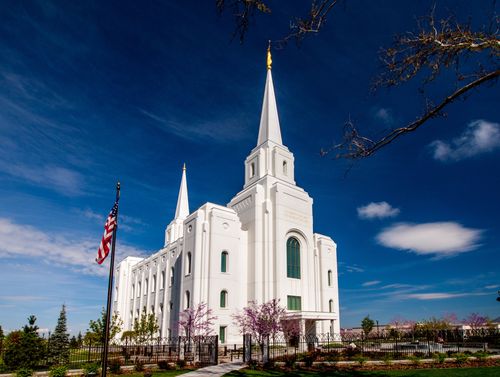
(179, 349)
(216, 349)
(90, 346)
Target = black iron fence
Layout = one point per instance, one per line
(324, 347)
(200, 350)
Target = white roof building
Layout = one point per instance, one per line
(258, 247)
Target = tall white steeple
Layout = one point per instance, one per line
(175, 229)
(270, 158)
(182, 209)
(269, 121)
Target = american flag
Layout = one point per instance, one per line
(109, 227)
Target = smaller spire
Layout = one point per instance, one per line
(182, 209)
(269, 58)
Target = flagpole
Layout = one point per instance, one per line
(110, 291)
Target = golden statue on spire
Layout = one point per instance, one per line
(269, 59)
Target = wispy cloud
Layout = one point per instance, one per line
(441, 296)
(19, 240)
(371, 283)
(354, 268)
(63, 180)
(481, 136)
(194, 129)
(379, 210)
(440, 239)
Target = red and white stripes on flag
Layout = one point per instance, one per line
(109, 228)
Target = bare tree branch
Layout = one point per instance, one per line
(356, 146)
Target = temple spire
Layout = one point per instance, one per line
(269, 122)
(182, 209)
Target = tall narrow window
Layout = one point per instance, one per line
(188, 299)
(293, 258)
(146, 287)
(133, 290)
(223, 261)
(252, 169)
(223, 299)
(162, 280)
(153, 286)
(172, 276)
(285, 168)
(222, 334)
(188, 263)
(139, 290)
(330, 306)
(329, 278)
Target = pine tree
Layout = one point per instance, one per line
(24, 348)
(59, 342)
(1, 339)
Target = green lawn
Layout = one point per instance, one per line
(459, 372)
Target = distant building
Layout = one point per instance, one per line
(258, 247)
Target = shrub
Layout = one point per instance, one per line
(481, 355)
(290, 360)
(58, 371)
(181, 363)
(90, 370)
(138, 365)
(115, 366)
(388, 358)
(461, 358)
(414, 359)
(24, 372)
(164, 365)
(148, 373)
(351, 352)
(440, 357)
(332, 356)
(309, 358)
(270, 364)
(360, 359)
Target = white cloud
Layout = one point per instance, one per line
(63, 180)
(440, 238)
(440, 296)
(354, 268)
(383, 114)
(378, 210)
(493, 286)
(18, 240)
(370, 283)
(480, 137)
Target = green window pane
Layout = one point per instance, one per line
(294, 303)
(222, 334)
(223, 262)
(223, 298)
(293, 258)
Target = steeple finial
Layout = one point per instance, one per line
(182, 209)
(269, 58)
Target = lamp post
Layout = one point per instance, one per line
(378, 333)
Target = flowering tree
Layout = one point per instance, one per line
(198, 321)
(261, 320)
(475, 321)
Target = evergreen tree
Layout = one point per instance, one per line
(79, 339)
(1, 339)
(24, 348)
(59, 342)
(367, 325)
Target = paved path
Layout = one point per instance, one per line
(215, 370)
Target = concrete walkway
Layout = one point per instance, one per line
(215, 370)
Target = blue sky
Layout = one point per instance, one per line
(92, 92)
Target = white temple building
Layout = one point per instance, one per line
(258, 247)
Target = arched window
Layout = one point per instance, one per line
(223, 261)
(293, 258)
(188, 299)
(329, 278)
(153, 287)
(330, 306)
(252, 169)
(172, 276)
(223, 299)
(285, 168)
(188, 263)
(162, 280)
